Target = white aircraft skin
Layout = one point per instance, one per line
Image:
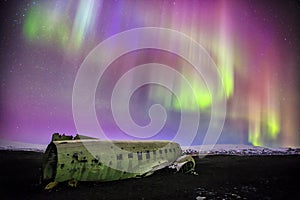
(73, 160)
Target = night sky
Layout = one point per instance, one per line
(254, 44)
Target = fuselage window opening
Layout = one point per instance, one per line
(166, 150)
(140, 155)
(130, 155)
(174, 149)
(170, 150)
(147, 155)
(119, 157)
(160, 151)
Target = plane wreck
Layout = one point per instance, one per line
(89, 159)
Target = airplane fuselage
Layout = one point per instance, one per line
(97, 160)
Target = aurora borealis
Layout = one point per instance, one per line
(254, 44)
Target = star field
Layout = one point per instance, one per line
(255, 45)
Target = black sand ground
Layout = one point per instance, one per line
(220, 177)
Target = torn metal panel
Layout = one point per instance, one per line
(185, 163)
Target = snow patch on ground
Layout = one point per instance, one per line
(236, 192)
(20, 146)
(238, 149)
